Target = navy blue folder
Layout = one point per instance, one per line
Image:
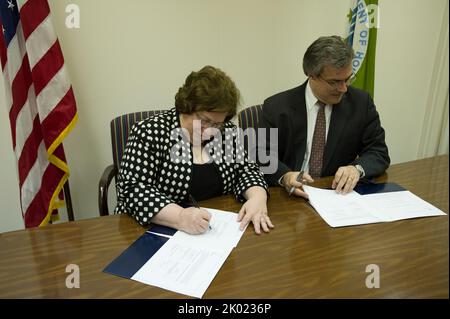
(135, 256)
(372, 188)
(164, 230)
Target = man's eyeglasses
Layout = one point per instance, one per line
(207, 123)
(338, 83)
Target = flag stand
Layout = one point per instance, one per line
(68, 200)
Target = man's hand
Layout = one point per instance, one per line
(290, 180)
(345, 179)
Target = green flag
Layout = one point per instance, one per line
(362, 36)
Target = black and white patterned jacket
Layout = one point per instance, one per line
(157, 166)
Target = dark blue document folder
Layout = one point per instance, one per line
(135, 256)
(372, 188)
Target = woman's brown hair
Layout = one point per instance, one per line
(210, 90)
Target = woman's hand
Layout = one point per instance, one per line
(194, 220)
(255, 210)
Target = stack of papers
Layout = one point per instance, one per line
(182, 263)
(354, 209)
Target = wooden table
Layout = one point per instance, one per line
(302, 257)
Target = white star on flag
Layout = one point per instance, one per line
(10, 5)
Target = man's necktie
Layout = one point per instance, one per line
(318, 143)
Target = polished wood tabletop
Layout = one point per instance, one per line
(302, 257)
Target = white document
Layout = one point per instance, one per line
(354, 209)
(180, 267)
(224, 232)
(340, 210)
(186, 263)
(400, 205)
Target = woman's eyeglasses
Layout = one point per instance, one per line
(207, 123)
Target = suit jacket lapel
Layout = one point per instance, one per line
(338, 121)
(301, 131)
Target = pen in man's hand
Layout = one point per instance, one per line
(302, 171)
(194, 202)
(298, 179)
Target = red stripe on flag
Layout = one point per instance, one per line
(47, 67)
(59, 153)
(39, 206)
(32, 13)
(58, 119)
(30, 151)
(36, 211)
(19, 87)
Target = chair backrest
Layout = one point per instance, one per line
(120, 129)
(249, 117)
(121, 126)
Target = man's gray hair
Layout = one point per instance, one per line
(333, 51)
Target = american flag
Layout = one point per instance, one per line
(40, 103)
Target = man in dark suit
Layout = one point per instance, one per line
(325, 127)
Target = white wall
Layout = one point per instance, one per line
(406, 48)
(134, 55)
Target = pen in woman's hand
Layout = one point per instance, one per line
(194, 202)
